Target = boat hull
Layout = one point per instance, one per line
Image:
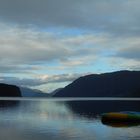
(127, 117)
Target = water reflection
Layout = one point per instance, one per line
(121, 124)
(57, 120)
(96, 108)
(8, 103)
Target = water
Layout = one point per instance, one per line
(64, 119)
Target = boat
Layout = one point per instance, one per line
(121, 117)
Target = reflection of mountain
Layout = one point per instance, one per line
(115, 84)
(121, 124)
(9, 103)
(9, 91)
(95, 108)
(27, 92)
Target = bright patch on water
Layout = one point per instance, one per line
(60, 119)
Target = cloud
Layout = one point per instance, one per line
(62, 77)
(41, 80)
(26, 45)
(39, 37)
(132, 52)
(20, 48)
(29, 50)
(25, 50)
(116, 17)
(120, 63)
(119, 17)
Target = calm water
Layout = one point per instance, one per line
(64, 120)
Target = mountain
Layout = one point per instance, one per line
(115, 84)
(27, 92)
(9, 90)
(55, 92)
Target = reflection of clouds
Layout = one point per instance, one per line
(128, 133)
(53, 120)
(44, 116)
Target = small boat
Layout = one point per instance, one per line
(125, 117)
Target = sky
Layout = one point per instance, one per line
(47, 44)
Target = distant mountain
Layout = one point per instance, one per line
(115, 84)
(27, 92)
(9, 90)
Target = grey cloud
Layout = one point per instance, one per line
(123, 63)
(18, 69)
(132, 52)
(23, 46)
(22, 50)
(20, 82)
(7, 68)
(121, 17)
(42, 80)
(63, 78)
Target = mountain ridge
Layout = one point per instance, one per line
(7, 90)
(114, 84)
